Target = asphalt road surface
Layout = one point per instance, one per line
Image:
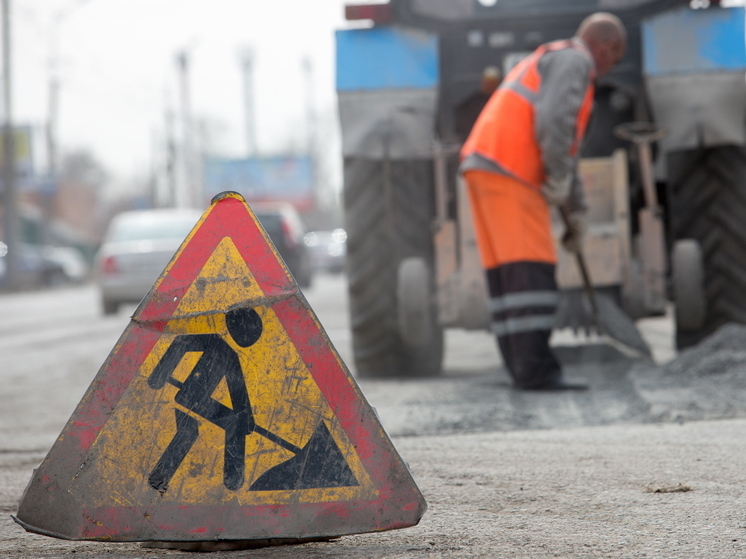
(52, 344)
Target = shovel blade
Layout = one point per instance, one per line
(619, 326)
(575, 311)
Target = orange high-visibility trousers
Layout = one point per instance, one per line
(512, 220)
(513, 229)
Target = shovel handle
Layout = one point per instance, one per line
(580, 258)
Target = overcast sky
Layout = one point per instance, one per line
(118, 72)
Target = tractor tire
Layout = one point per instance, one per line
(389, 207)
(414, 297)
(687, 283)
(707, 203)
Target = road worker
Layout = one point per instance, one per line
(467, 111)
(518, 161)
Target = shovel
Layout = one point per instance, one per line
(610, 320)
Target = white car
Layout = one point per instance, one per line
(136, 249)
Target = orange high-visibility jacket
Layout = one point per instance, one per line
(504, 137)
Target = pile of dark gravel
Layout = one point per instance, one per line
(704, 382)
(723, 354)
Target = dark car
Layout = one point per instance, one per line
(35, 267)
(286, 230)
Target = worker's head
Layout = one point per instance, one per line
(490, 79)
(244, 325)
(606, 38)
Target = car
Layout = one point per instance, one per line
(137, 247)
(35, 268)
(71, 261)
(328, 250)
(286, 230)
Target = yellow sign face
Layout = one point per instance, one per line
(218, 415)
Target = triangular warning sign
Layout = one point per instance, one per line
(223, 413)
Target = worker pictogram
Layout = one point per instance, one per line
(318, 464)
(217, 361)
(223, 401)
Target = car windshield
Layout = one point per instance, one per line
(152, 228)
(272, 224)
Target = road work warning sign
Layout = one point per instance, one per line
(223, 413)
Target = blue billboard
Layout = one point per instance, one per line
(285, 178)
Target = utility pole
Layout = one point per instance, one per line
(171, 184)
(51, 186)
(310, 105)
(49, 191)
(190, 193)
(10, 215)
(247, 68)
(319, 190)
(48, 194)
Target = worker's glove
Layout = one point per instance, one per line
(572, 239)
(555, 191)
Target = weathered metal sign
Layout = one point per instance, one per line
(223, 413)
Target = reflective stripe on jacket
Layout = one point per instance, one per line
(533, 125)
